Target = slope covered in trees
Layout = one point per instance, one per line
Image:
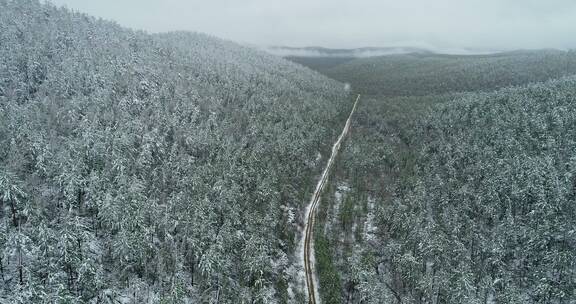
(138, 167)
(453, 188)
(457, 197)
(480, 208)
(319, 63)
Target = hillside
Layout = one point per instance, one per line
(457, 183)
(319, 64)
(425, 74)
(471, 202)
(454, 187)
(150, 168)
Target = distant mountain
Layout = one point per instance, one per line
(423, 74)
(364, 52)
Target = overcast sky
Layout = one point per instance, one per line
(478, 24)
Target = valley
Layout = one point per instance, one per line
(393, 230)
(171, 166)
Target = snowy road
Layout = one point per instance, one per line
(309, 265)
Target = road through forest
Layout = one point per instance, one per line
(308, 260)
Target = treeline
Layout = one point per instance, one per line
(149, 168)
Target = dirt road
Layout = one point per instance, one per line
(309, 266)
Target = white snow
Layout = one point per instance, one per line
(332, 217)
(369, 227)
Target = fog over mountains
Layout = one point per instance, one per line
(365, 52)
(508, 24)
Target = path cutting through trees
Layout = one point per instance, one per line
(309, 266)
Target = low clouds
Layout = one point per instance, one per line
(471, 24)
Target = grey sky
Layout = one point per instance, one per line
(482, 24)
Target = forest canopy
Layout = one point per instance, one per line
(139, 167)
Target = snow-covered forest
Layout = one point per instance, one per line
(455, 193)
(177, 167)
(426, 74)
(157, 168)
(481, 210)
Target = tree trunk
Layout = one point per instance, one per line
(192, 269)
(2, 268)
(70, 277)
(79, 242)
(20, 266)
(80, 200)
(350, 292)
(218, 293)
(14, 213)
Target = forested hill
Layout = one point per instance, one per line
(483, 209)
(149, 168)
(425, 74)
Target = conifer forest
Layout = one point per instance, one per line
(178, 167)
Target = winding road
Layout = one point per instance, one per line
(309, 266)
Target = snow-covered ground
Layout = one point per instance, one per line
(369, 227)
(307, 242)
(332, 217)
